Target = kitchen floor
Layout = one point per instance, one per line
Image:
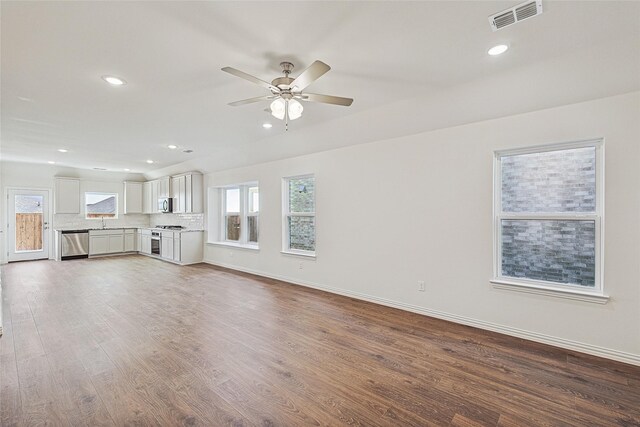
(132, 340)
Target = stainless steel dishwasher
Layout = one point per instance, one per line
(75, 244)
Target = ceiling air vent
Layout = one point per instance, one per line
(515, 14)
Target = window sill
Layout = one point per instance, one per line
(302, 254)
(235, 245)
(510, 285)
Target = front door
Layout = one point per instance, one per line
(28, 225)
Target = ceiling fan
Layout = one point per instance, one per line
(287, 92)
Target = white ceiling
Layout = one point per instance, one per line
(410, 66)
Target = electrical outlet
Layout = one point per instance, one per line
(421, 286)
(231, 254)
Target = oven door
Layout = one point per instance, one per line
(155, 245)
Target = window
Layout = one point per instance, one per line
(299, 215)
(101, 205)
(548, 217)
(240, 210)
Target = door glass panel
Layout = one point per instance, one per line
(29, 222)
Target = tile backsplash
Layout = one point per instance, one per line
(73, 221)
(191, 221)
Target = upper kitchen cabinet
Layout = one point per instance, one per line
(147, 201)
(178, 192)
(186, 190)
(67, 197)
(132, 197)
(164, 189)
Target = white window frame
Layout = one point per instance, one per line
(286, 242)
(570, 291)
(244, 214)
(103, 193)
(249, 214)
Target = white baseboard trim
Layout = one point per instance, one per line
(591, 349)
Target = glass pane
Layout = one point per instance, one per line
(233, 200)
(554, 181)
(233, 227)
(254, 199)
(101, 205)
(550, 250)
(302, 195)
(302, 233)
(253, 228)
(29, 222)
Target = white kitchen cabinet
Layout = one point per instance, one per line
(111, 241)
(176, 246)
(129, 242)
(191, 247)
(181, 247)
(98, 245)
(147, 206)
(132, 197)
(166, 247)
(116, 243)
(145, 245)
(178, 191)
(187, 191)
(138, 241)
(154, 196)
(164, 187)
(67, 197)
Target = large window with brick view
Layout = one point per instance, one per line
(300, 215)
(548, 221)
(241, 207)
(101, 205)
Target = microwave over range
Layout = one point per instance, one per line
(165, 204)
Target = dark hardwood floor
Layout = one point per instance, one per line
(135, 341)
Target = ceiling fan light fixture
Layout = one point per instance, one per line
(295, 109)
(278, 108)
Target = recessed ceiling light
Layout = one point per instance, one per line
(267, 125)
(114, 81)
(172, 147)
(51, 162)
(150, 161)
(497, 50)
(100, 169)
(62, 150)
(127, 169)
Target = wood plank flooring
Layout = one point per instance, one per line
(135, 341)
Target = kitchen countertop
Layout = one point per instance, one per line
(97, 228)
(184, 230)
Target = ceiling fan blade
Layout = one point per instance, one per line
(326, 99)
(310, 75)
(250, 78)
(252, 100)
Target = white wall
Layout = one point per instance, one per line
(28, 175)
(419, 207)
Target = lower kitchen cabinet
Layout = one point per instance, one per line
(176, 247)
(130, 241)
(98, 245)
(116, 243)
(145, 241)
(189, 247)
(166, 247)
(112, 241)
(181, 247)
